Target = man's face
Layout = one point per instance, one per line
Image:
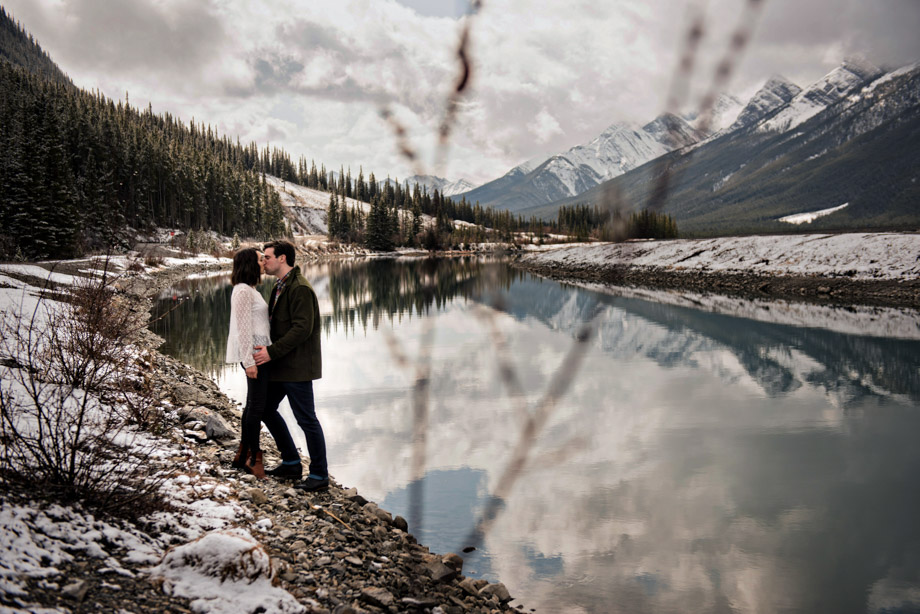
(271, 263)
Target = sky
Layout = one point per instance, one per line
(315, 77)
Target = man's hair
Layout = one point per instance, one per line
(282, 248)
(246, 268)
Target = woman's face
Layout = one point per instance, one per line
(261, 264)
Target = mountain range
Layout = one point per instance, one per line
(849, 138)
(444, 186)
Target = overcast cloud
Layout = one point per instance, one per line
(313, 77)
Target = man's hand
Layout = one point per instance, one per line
(252, 372)
(261, 356)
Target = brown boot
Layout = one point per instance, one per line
(255, 466)
(238, 461)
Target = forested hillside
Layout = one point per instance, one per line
(80, 172)
(19, 48)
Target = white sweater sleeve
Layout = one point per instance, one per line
(242, 310)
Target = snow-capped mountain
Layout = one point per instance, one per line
(844, 80)
(852, 137)
(621, 147)
(724, 112)
(444, 186)
(775, 93)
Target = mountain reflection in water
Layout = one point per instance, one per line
(698, 461)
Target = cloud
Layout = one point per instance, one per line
(544, 126)
(544, 78)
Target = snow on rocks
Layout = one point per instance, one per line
(855, 255)
(224, 571)
(876, 268)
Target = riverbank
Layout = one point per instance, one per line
(847, 269)
(221, 541)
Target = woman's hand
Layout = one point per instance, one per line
(252, 372)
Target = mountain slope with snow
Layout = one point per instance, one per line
(444, 186)
(835, 86)
(793, 159)
(776, 93)
(620, 148)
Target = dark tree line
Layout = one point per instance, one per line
(77, 170)
(586, 221)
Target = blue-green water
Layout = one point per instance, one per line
(694, 462)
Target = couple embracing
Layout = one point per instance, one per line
(278, 345)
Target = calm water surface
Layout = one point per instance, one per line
(697, 462)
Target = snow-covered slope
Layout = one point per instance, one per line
(724, 112)
(844, 80)
(621, 147)
(858, 256)
(775, 93)
(306, 208)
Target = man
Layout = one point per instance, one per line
(296, 360)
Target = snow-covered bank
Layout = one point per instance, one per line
(856, 267)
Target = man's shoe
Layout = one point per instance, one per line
(286, 472)
(313, 484)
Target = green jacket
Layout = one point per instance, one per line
(295, 332)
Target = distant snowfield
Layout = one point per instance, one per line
(808, 218)
(859, 256)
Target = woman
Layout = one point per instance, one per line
(249, 328)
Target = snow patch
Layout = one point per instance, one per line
(808, 218)
(224, 571)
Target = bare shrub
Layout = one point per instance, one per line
(72, 401)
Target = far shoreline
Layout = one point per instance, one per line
(872, 269)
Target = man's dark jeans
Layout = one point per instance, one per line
(300, 396)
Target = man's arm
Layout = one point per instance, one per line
(302, 319)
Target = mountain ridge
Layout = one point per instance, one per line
(862, 149)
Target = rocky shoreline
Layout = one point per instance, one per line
(334, 552)
(819, 289)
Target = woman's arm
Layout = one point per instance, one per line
(241, 303)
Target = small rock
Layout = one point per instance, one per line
(217, 428)
(257, 496)
(298, 545)
(454, 561)
(379, 597)
(352, 495)
(440, 572)
(498, 590)
(265, 524)
(419, 602)
(199, 436)
(191, 413)
(185, 394)
(468, 585)
(379, 531)
(354, 561)
(76, 590)
(400, 523)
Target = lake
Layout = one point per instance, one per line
(618, 451)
